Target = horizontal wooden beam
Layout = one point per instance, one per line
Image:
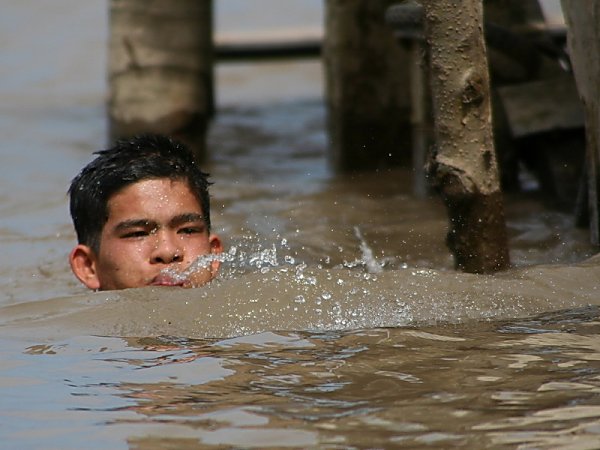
(235, 51)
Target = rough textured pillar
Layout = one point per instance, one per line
(584, 44)
(463, 166)
(161, 70)
(367, 84)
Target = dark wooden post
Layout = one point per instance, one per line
(463, 166)
(582, 19)
(406, 18)
(367, 84)
(161, 70)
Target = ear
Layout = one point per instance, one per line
(83, 264)
(216, 247)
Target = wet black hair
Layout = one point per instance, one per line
(129, 161)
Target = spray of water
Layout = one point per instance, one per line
(368, 259)
(250, 255)
(344, 296)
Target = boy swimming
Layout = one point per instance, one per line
(141, 212)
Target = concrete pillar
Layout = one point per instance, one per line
(160, 70)
(367, 87)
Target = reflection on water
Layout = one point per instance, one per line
(532, 383)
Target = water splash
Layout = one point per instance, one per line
(367, 259)
(340, 296)
(250, 254)
(247, 256)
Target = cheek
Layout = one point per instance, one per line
(123, 253)
(197, 246)
(200, 277)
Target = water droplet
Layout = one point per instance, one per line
(312, 281)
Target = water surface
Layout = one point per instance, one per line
(337, 323)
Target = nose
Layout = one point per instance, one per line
(166, 250)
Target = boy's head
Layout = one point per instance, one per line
(140, 207)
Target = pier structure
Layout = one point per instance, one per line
(387, 95)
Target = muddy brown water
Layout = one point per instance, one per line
(337, 322)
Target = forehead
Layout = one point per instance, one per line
(153, 197)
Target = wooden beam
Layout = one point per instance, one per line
(290, 49)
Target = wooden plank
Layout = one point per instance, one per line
(541, 106)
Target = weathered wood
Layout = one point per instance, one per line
(542, 105)
(583, 38)
(463, 166)
(518, 44)
(161, 69)
(514, 57)
(367, 87)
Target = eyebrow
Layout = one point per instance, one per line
(135, 223)
(147, 223)
(186, 218)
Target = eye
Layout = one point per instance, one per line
(134, 234)
(191, 230)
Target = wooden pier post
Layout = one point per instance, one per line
(463, 165)
(160, 70)
(367, 87)
(583, 38)
(406, 18)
